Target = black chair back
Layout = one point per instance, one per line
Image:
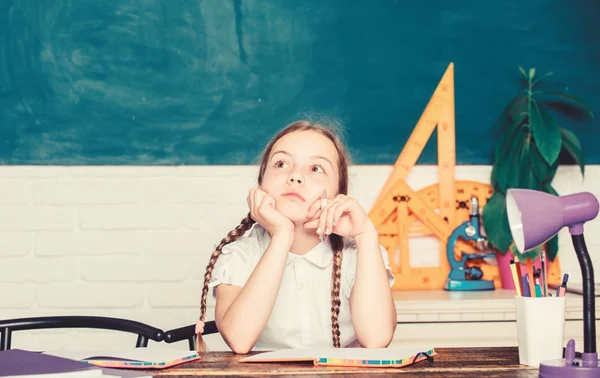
(188, 333)
(144, 331)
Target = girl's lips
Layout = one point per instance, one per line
(294, 195)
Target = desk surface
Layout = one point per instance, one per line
(463, 362)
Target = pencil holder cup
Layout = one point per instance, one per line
(540, 328)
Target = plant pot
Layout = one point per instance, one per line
(506, 278)
(503, 261)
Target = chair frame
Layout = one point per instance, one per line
(189, 333)
(144, 331)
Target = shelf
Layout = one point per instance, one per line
(467, 306)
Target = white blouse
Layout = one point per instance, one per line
(301, 317)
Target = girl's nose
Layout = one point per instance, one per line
(295, 178)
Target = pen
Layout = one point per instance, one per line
(323, 205)
(530, 280)
(537, 276)
(519, 273)
(560, 292)
(525, 284)
(544, 274)
(538, 290)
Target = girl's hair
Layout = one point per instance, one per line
(337, 242)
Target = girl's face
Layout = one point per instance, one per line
(301, 164)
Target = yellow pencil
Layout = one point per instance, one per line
(515, 276)
(519, 274)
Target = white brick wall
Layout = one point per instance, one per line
(133, 242)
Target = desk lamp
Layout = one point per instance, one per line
(535, 217)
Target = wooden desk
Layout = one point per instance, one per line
(463, 362)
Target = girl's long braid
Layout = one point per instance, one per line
(337, 245)
(232, 236)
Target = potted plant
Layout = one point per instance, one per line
(531, 145)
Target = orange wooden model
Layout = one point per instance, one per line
(401, 213)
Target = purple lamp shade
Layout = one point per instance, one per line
(535, 217)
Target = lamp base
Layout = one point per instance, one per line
(571, 367)
(563, 369)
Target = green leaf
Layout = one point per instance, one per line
(527, 177)
(531, 73)
(511, 115)
(572, 100)
(533, 254)
(550, 73)
(505, 142)
(523, 72)
(540, 168)
(493, 178)
(552, 172)
(571, 144)
(496, 223)
(507, 170)
(550, 189)
(552, 248)
(545, 133)
(501, 174)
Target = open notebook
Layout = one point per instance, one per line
(131, 358)
(364, 357)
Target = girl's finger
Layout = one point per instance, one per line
(257, 199)
(322, 223)
(315, 216)
(268, 201)
(312, 224)
(340, 197)
(313, 209)
(329, 223)
(340, 209)
(251, 204)
(265, 201)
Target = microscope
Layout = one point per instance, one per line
(461, 276)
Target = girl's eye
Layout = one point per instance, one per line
(280, 164)
(317, 169)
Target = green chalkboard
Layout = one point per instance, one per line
(208, 82)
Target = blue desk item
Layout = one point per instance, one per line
(461, 276)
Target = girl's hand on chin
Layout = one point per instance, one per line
(263, 210)
(342, 216)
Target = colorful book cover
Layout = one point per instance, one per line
(133, 358)
(359, 357)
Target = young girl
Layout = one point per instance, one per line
(311, 273)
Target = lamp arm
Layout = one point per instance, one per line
(589, 304)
